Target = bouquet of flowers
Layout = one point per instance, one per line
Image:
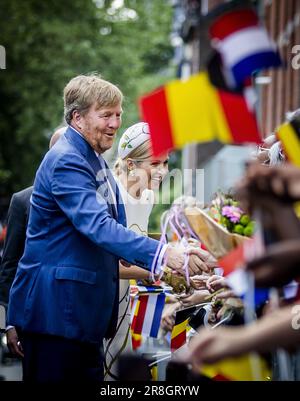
(227, 211)
(221, 227)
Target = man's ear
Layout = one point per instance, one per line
(77, 119)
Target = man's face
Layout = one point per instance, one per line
(99, 126)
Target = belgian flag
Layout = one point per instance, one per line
(181, 326)
(195, 110)
(248, 367)
(154, 373)
(289, 135)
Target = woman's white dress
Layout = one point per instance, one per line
(137, 215)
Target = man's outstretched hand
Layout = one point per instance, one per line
(174, 258)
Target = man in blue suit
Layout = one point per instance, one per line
(64, 298)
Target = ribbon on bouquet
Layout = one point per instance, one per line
(183, 223)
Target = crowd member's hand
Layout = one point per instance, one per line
(13, 342)
(281, 181)
(168, 316)
(197, 297)
(272, 213)
(272, 331)
(210, 346)
(215, 283)
(199, 261)
(279, 265)
(251, 198)
(199, 281)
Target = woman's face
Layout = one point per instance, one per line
(150, 173)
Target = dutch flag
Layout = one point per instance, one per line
(244, 45)
(146, 314)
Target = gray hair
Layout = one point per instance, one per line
(85, 90)
(275, 154)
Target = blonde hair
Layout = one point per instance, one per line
(85, 90)
(140, 153)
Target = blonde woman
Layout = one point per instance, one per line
(138, 175)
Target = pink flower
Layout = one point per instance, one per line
(232, 212)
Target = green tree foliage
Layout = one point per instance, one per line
(47, 43)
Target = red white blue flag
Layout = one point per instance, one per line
(244, 45)
(146, 314)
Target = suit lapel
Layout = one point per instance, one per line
(121, 217)
(102, 174)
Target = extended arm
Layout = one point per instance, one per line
(278, 330)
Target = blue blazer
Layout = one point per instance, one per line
(67, 280)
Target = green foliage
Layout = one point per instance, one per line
(47, 43)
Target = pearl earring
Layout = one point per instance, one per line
(132, 173)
